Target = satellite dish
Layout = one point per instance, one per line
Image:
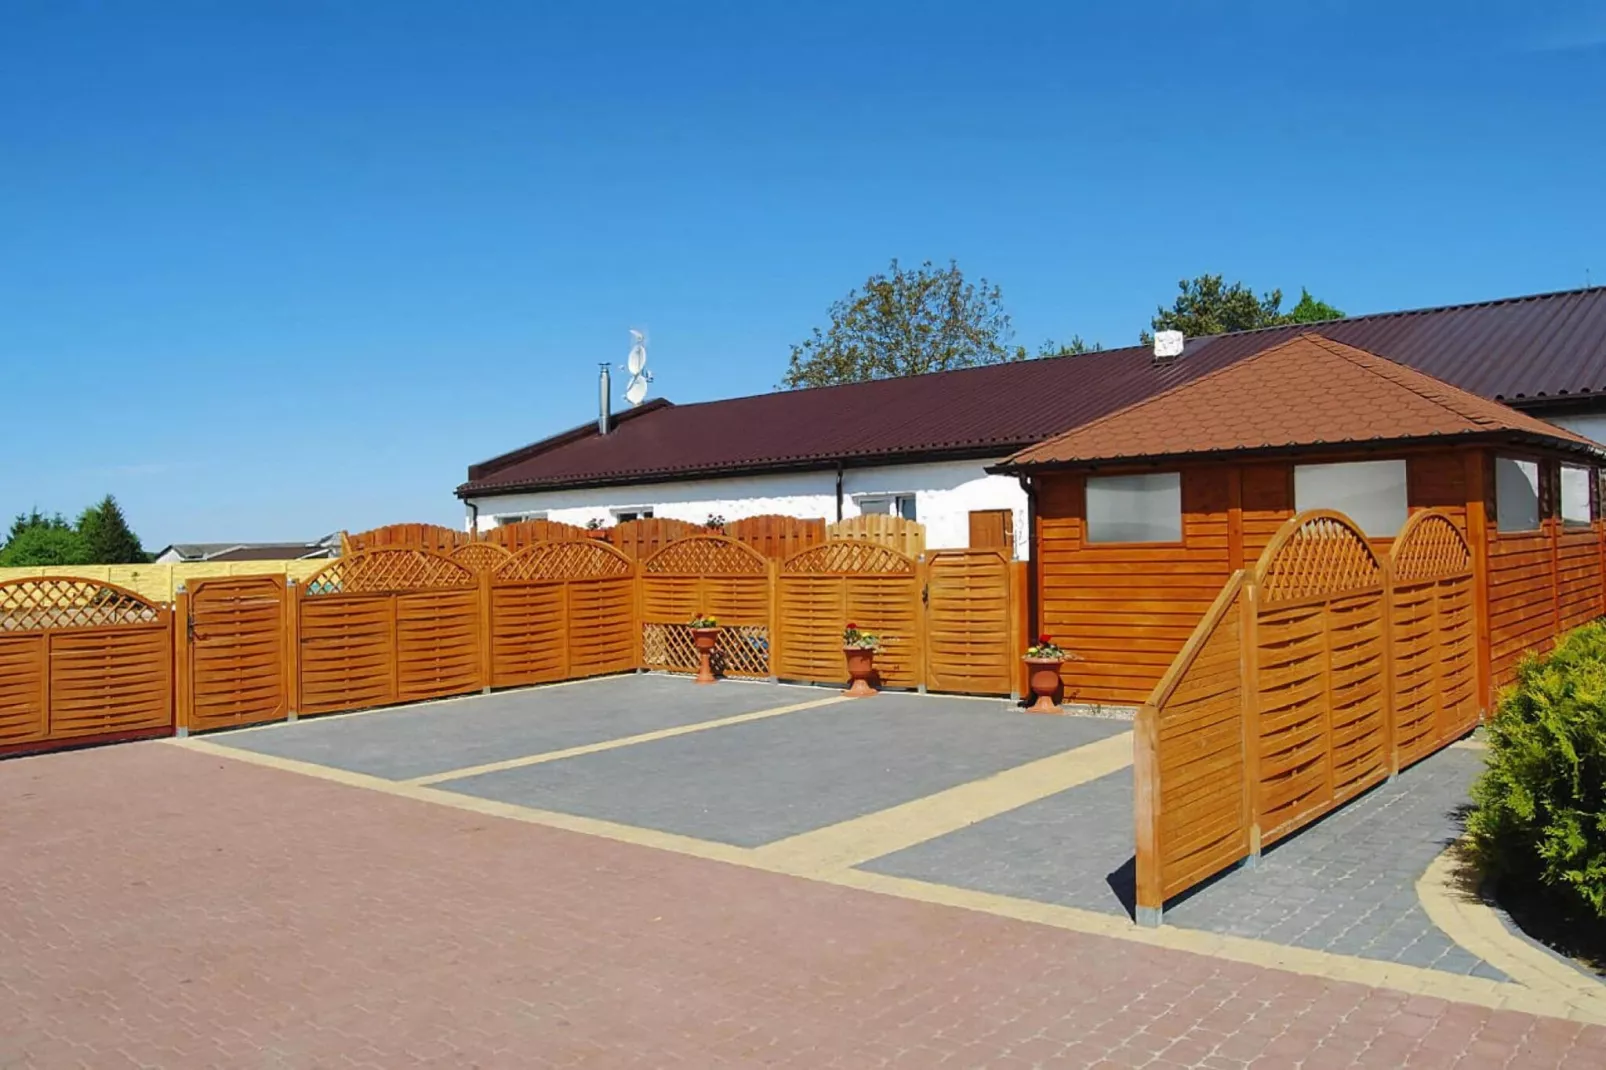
(636, 365)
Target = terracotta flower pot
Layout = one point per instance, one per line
(705, 639)
(861, 666)
(1045, 681)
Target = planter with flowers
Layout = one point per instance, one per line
(704, 636)
(1045, 658)
(859, 648)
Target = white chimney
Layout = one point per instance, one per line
(604, 401)
(1167, 346)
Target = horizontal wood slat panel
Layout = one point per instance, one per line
(22, 689)
(102, 684)
(236, 652)
(968, 616)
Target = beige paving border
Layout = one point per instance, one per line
(859, 839)
(1471, 744)
(622, 741)
(1324, 964)
(1451, 896)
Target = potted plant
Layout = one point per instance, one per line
(1045, 658)
(704, 636)
(859, 648)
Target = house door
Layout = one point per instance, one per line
(971, 635)
(235, 645)
(993, 529)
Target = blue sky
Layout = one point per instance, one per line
(272, 269)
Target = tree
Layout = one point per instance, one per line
(906, 322)
(107, 536)
(44, 544)
(1207, 305)
(35, 519)
(1074, 348)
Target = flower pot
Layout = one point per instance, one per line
(704, 639)
(1045, 681)
(861, 666)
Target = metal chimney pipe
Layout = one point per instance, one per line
(604, 400)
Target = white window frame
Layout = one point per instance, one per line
(503, 520)
(1522, 464)
(893, 502)
(1169, 483)
(1586, 476)
(1394, 466)
(626, 513)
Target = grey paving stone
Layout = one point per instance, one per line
(754, 783)
(435, 737)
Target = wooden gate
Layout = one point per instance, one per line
(840, 581)
(972, 640)
(387, 626)
(232, 645)
(712, 575)
(82, 661)
(561, 610)
(1434, 632)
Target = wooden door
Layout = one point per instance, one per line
(970, 646)
(236, 651)
(993, 529)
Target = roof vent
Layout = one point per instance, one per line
(1167, 346)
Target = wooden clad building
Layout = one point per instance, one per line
(1139, 518)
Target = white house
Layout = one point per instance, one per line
(921, 446)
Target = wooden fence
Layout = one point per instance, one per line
(709, 575)
(850, 580)
(776, 536)
(1311, 678)
(160, 582)
(908, 537)
(432, 537)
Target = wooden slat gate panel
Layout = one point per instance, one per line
(970, 641)
(82, 660)
(775, 536)
(908, 537)
(562, 610)
(1435, 637)
(235, 652)
(707, 575)
(387, 626)
(849, 580)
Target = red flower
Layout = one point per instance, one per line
(852, 625)
(1044, 640)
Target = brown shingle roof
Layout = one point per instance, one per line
(1308, 391)
(1528, 350)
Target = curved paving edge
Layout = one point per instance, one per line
(1454, 902)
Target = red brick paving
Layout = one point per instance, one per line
(167, 908)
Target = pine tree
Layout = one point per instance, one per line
(107, 536)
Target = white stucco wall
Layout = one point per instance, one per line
(1590, 425)
(945, 494)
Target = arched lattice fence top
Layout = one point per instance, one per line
(64, 602)
(573, 559)
(378, 571)
(706, 555)
(1430, 546)
(480, 556)
(1316, 553)
(849, 557)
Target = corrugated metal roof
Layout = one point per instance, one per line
(1523, 350)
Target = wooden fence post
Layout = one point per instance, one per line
(1386, 696)
(1478, 543)
(1148, 900)
(1249, 707)
(292, 648)
(922, 666)
(180, 690)
(1017, 630)
(487, 664)
(773, 578)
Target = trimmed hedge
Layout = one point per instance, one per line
(1540, 813)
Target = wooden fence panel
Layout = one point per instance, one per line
(777, 537)
(908, 537)
(82, 660)
(713, 575)
(234, 652)
(431, 537)
(437, 644)
(841, 581)
(1434, 637)
(480, 556)
(346, 647)
(640, 539)
(562, 610)
(527, 533)
(970, 635)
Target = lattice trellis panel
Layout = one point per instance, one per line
(706, 555)
(849, 557)
(48, 603)
(1430, 546)
(572, 560)
(480, 556)
(378, 571)
(1314, 554)
(743, 650)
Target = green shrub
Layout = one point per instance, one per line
(1540, 814)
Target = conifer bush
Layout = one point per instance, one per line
(1540, 807)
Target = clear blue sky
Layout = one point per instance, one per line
(272, 269)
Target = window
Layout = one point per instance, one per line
(635, 512)
(1516, 494)
(888, 505)
(1145, 508)
(1371, 493)
(505, 519)
(1575, 510)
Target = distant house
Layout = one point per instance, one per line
(920, 446)
(328, 546)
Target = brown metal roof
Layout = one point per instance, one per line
(1532, 351)
(1308, 391)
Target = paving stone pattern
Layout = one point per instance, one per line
(436, 737)
(1346, 884)
(168, 908)
(754, 783)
